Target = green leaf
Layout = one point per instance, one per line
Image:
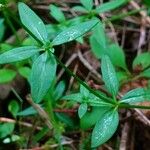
(143, 60)
(57, 13)
(24, 72)
(42, 75)
(84, 91)
(60, 88)
(122, 76)
(80, 9)
(32, 22)
(100, 47)
(6, 129)
(13, 107)
(88, 4)
(65, 118)
(135, 96)
(109, 75)
(119, 59)
(2, 28)
(28, 111)
(82, 110)
(92, 116)
(94, 101)
(104, 128)
(99, 34)
(74, 32)
(18, 54)
(5, 47)
(77, 97)
(145, 73)
(110, 5)
(7, 75)
(97, 49)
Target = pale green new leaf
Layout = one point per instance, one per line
(77, 97)
(135, 96)
(88, 4)
(74, 32)
(145, 73)
(109, 75)
(13, 107)
(18, 54)
(32, 22)
(24, 72)
(7, 75)
(142, 60)
(57, 13)
(42, 75)
(82, 110)
(110, 5)
(105, 128)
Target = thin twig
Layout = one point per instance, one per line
(41, 112)
(8, 120)
(87, 65)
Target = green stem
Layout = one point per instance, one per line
(133, 106)
(118, 17)
(106, 99)
(11, 25)
(49, 110)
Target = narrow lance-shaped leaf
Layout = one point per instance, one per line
(79, 8)
(88, 4)
(105, 128)
(42, 75)
(57, 13)
(2, 28)
(18, 54)
(85, 92)
(109, 75)
(74, 32)
(135, 96)
(99, 34)
(32, 22)
(110, 6)
(82, 110)
(77, 97)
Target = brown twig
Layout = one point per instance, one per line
(41, 112)
(8, 120)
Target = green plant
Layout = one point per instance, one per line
(87, 7)
(43, 74)
(101, 44)
(107, 121)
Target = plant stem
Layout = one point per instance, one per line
(51, 115)
(11, 25)
(133, 106)
(106, 99)
(123, 15)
